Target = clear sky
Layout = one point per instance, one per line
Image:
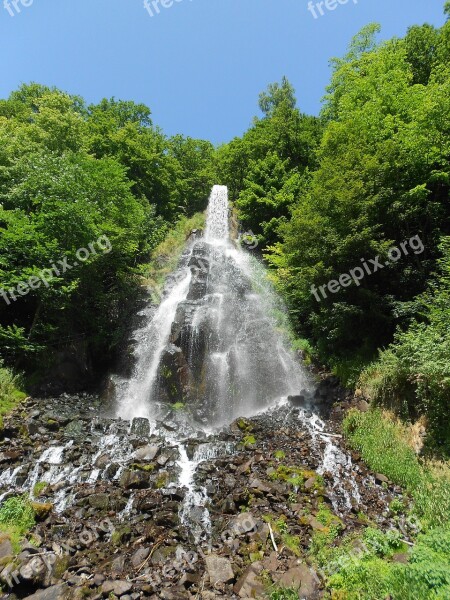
(198, 64)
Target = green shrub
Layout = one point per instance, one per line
(10, 396)
(412, 376)
(16, 518)
(279, 593)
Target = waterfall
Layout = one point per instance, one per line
(213, 343)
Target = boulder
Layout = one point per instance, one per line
(56, 592)
(243, 523)
(140, 427)
(249, 585)
(219, 569)
(132, 480)
(301, 578)
(146, 453)
(118, 588)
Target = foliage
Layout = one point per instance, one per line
(383, 446)
(10, 396)
(369, 575)
(412, 376)
(16, 517)
(278, 593)
(71, 174)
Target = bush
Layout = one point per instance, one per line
(17, 517)
(412, 376)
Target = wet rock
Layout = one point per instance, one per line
(219, 569)
(147, 453)
(140, 427)
(74, 430)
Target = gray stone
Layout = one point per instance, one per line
(146, 453)
(139, 557)
(6, 549)
(219, 569)
(249, 584)
(243, 523)
(99, 501)
(56, 592)
(140, 427)
(118, 588)
(301, 578)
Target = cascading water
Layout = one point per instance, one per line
(211, 348)
(213, 344)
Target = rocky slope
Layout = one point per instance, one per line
(125, 510)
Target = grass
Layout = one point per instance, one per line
(360, 566)
(17, 517)
(10, 395)
(383, 444)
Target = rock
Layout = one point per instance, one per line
(219, 569)
(297, 401)
(118, 564)
(315, 524)
(42, 510)
(300, 578)
(98, 579)
(363, 406)
(249, 584)
(242, 523)
(257, 484)
(401, 557)
(310, 483)
(134, 480)
(99, 501)
(7, 457)
(379, 478)
(118, 588)
(146, 453)
(56, 592)
(189, 579)
(140, 427)
(6, 549)
(138, 557)
(102, 461)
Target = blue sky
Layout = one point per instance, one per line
(199, 64)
